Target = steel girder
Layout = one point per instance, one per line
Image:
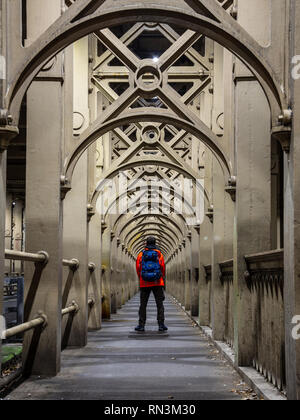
(160, 217)
(84, 17)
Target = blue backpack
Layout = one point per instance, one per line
(151, 270)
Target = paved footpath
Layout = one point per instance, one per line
(118, 364)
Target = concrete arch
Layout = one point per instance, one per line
(145, 205)
(151, 115)
(149, 230)
(166, 218)
(115, 200)
(142, 225)
(87, 16)
(159, 239)
(140, 244)
(186, 203)
(181, 226)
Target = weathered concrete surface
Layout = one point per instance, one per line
(113, 366)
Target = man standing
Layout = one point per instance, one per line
(150, 267)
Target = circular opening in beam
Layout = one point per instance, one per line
(150, 134)
(148, 77)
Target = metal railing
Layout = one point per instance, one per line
(265, 279)
(41, 320)
(91, 302)
(40, 257)
(72, 264)
(92, 267)
(73, 308)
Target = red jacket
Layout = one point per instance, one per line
(139, 270)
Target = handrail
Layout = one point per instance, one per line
(92, 267)
(27, 326)
(265, 267)
(70, 309)
(40, 257)
(91, 302)
(226, 271)
(275, 255)
(72, 264)
(226, 264)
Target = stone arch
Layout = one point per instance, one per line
(86, 16)
(119, 197)
(152, 115)
(159, 224)
(168, 219)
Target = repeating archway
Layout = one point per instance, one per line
(94, 132)
(167, 219)
(87, 16)
(159, 225)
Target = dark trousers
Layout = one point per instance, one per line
(159, 295)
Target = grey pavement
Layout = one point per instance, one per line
(118, 364)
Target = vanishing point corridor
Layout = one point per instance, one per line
(149, 144)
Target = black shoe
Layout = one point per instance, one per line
(162, 327)
(140, 328)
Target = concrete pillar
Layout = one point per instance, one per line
(106, 273)
(94, 280)
(2, 229)
(187, 273)
(181, 273)
(75, 240)
(291, 225)
(119, 277)
(218, 199)
(205, 238)
(178, 274)
(8, 232)
(114, 274)
(253, 163)
(253, 210)
(195, 272)
(43, 288)
(75, 246)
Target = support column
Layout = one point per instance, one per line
(195, 272)
(291, 222)
(253, 204)
(75, 287)
(187, 273)
(8, 232)
(43, 289)
(253, 162)
(106, 283)
(114, 274)
(94, 281)
(205, 260)
(2, 235)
